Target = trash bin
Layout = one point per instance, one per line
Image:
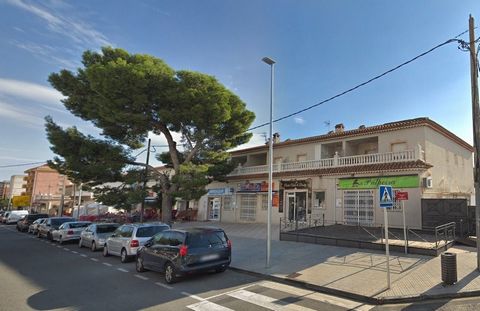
(449, 268)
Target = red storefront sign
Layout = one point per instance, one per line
(401, 195)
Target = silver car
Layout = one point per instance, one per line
(33, 228)
(129, 237)
(69, 231)
(95, 235)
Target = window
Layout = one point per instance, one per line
(175, 238)
(206, 239)
(126, 232)
(319, 199)
(248, 206)
(227, 202)
(161, 238)
(145, 232)
(106, 228)
(79, 225)
(264, 201)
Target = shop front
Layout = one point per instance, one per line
(216, 199)
(295, 196)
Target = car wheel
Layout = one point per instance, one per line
(123, 256)
(38, 234)
(80, 243)
(221, 269)
(139, 264)
(105, 251)
(60, 240)
(93, 247)
(170, 273)
(49, 236)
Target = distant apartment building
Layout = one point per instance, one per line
(335, 177)
(45, 187)
(4, 186)
(17, 186)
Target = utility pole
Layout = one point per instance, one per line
(62, 200)
(145, 181)
(476, 130)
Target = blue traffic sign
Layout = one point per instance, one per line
(385, 196)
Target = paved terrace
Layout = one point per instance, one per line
(348, 270)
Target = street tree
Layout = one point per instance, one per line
(128, 96)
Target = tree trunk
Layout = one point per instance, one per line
(167, 208)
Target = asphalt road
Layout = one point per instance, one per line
(38, 275)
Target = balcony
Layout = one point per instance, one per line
(336, 161)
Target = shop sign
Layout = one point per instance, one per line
(254, 187)
(411, 181)
(295, 184)
(401, 195)
(220, 191)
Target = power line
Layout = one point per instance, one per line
(23, 164)
(363, 83)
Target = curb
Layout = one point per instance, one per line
(358, 297)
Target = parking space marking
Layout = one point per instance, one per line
(140, 277)
(193, 296)
(163, 285)
(83, 255)
(107, 264)
(74, 252)
(58, 246)
(121, 269)
(66, 249)
(94, 259)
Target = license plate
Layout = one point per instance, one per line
(209, 257)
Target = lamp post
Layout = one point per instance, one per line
(271, 63)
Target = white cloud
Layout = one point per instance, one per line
(31, 91)
(256, 140)
(299, 120)
(47, 54)
(70, 27)
(11, 113)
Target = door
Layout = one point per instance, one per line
(214, 209)
(297, 206)
(358, 207)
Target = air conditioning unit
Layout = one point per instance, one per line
(427, 182)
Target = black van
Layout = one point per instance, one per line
(180, 252)
(25, 222)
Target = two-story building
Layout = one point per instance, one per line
(334, 178)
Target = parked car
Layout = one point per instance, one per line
(4, 217)
(180, 252)
(15, 216)
(24, 223)
(95, 235)
(52, 223)
(33, 228)
(69, 231)
(125, 241)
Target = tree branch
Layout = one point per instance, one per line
(172, 146)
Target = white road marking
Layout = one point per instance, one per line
(66, 249)
(74, 252)
(83, 255)
(94, 259)
(208, 306)
(265, 301)
(316, 296)
(107, 264)
(234, 290)
(140, 277)
(58, 246)
(163, 285)
(193, 296)
(121, 269)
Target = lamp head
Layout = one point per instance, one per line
(268, 60)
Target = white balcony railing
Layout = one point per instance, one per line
(336, 161)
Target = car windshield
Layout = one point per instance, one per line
(79, 225)
(145, 232)
(59, 221)
(206, 238)
(106, 228)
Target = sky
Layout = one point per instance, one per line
(321, 48)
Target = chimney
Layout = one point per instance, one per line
(276, 138)
(361, 127)
(339, 128)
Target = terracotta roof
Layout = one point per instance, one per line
(386, 127)
(370, 168)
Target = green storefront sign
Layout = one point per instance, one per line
(411, 181)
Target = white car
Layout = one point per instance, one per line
(95, 235)
(15, 216)
(69, 231)
(129, 237)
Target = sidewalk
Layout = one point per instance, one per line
(348, 272)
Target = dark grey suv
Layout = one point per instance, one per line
(181, 252)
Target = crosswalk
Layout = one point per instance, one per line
(268, 295)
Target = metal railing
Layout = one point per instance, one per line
(445, 232)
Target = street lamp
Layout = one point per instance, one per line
(270, 62)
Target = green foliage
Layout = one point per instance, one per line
(3, 203)
(129, 95)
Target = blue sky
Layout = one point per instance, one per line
(321, 49)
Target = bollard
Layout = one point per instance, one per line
(449, 268)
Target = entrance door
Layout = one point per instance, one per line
(297, 206)
(358, 207)
(214, 209)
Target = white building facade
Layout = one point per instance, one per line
(334, 178)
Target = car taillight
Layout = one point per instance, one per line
(70, 232)
(229, 244)
(134, 243)
(183, 250)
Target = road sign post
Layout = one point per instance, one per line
(402, 196)
(386, 201)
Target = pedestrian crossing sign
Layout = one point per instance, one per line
(386, 196)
